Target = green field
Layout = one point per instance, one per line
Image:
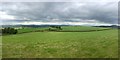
(0, 47)
(96, 44)
(27, 29)
(81, 28)
(64, 28)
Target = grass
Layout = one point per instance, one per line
(0, 47)
(98, 44)
(64, 28)
(81, 28)
(28, 29)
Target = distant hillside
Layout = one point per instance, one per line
(30, 25)
(112, 26)
(35, 26)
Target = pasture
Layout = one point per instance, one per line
(64, 28)
(95, 44)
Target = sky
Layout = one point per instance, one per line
(59, 13)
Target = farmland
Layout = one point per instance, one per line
(26, 30)
(64, 28)
(50, 44)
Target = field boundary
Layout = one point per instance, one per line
(74, 31)
(61, 31)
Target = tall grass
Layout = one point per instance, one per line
(99, 44)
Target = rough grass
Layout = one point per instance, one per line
(81, 28)
(30, 29)
(98, 44)
(64, 28)
(0, 47)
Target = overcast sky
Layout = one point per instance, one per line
(68, 13)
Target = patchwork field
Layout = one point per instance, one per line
(81, 28)
(96, 44)
(27, 30)
(64, 28)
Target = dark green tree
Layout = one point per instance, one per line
(9, 31)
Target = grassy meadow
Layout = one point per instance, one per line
(81, 28)
(27, 29)
(95, 44)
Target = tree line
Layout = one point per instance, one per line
(9, 30)
(54, 28)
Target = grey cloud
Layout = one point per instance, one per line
(64, 11)
(60, 0)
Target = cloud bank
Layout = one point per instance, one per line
(59, 12)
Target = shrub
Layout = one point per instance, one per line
(9, 31)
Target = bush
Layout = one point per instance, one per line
(9, 31)
(55, 28)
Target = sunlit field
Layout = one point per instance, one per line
(50, 44)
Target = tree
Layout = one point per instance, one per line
(9, 31)
(60, 27)
(15, 32)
